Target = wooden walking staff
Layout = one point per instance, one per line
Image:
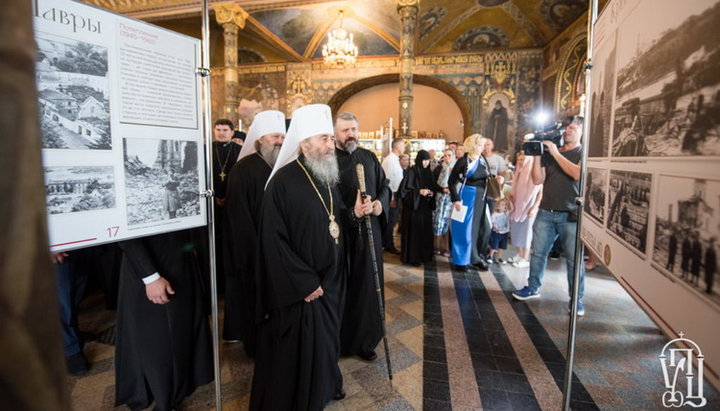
(360, 170)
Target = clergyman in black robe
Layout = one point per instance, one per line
(246, 185)
(163, 349)
(361, 329)
(417, 192)
(300, 275)
(224, 155)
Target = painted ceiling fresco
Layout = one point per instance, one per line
(298, 26)
(297, 30)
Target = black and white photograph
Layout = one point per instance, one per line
(595, 189)
(72, 80)
(161, 179)
(686, 233)
(668, 86)
(629, 208)
(74, 189)
(603, 76)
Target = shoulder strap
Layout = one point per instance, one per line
(487, 165)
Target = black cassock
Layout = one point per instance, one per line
(296, 364)
(224, 156)
(416, 228)
(361, 329)
(163, 351)
(246, 184)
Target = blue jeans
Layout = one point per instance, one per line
(71, 282)
(549, 225)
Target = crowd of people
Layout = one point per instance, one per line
(303, 215)
(435, 189)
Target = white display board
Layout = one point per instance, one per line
(653, 184)
(121, 125)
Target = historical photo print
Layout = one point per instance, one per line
(668, 86)
(72, 80)
(629, 208)
(161, 179)
(686, 232)
(603, 76)
(73, 189)
(595, 189)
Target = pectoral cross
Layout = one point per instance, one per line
(404, 127)
(222, 175)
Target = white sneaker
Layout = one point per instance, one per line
(511, 259)
(521, 263)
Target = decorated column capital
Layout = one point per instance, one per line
(231, 13)
(232, 19)
(408, 3)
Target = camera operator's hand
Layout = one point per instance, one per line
(551, 147)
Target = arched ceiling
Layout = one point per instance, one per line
(278, 30)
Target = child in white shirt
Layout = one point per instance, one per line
(500, 229)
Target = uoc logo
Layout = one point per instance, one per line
(677, 366)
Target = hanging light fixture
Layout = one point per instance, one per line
(339, 51)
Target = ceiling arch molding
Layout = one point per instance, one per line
(342, 95)
(572, 66)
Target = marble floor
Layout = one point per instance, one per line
(458, 341)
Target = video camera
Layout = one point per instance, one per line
(533, 146)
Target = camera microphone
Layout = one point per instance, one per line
(529, 136)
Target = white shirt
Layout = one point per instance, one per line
(501, 222)
(393, 171)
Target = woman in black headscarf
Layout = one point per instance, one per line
(417, 191)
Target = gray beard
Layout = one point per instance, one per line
(350, 147)
(269, 154)
(323, 168)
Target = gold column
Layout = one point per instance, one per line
(408, 10)
(232, 19)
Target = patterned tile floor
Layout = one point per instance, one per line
(459, 341)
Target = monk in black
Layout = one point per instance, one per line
(300, 273)
(163, 349)
(246, 185)
(224, 155)
(417, 191)
(361, 327)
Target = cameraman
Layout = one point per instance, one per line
(559, 172)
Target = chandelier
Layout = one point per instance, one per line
(340, 51)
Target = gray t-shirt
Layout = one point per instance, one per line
(496, 164)
(559, 189)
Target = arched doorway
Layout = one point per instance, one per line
(342, 95)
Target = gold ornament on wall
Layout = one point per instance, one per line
(500, 66)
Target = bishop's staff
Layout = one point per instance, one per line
(360, 170)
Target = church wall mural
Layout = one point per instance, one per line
(484, 79)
